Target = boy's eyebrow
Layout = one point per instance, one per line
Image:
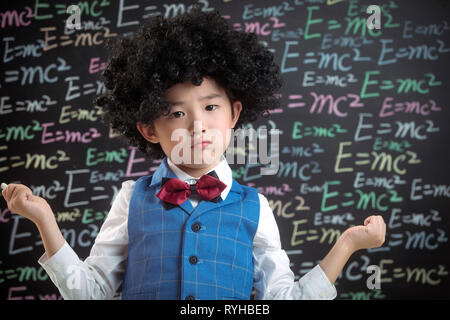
(209, 96)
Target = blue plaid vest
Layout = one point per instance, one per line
(187, 253)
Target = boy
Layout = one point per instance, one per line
(189, 230)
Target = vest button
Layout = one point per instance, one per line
(196, 227)
(189, 297)
(193, 259)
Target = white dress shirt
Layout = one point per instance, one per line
(100, 275)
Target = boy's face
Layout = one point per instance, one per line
(198, 113)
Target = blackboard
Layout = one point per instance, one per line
(363, 118)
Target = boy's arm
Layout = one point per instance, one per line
(52, 237)
(370, 235)
(100, 275)
(335, 260)
(21, 200)
(273, 278)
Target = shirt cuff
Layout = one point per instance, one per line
(319, 287)
(60, 265)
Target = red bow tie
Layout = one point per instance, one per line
(175, 191)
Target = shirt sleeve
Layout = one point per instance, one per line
(100, 275)
(273, 277)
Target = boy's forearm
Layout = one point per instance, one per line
(335, 260)
(52, 237)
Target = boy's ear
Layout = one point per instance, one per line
(147, 132)
(237, 108)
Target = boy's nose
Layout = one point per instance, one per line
(197, 127)
(197, 132)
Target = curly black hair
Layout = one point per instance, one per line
(167, 51)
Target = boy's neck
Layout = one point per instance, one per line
(197, 172)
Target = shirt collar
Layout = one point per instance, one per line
(222, 169)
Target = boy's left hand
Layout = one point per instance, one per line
(370, 235)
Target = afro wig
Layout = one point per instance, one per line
(164, 52)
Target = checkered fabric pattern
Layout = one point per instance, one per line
(187, 253)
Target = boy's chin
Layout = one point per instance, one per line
(197, 163)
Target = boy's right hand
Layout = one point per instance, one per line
(21, 200)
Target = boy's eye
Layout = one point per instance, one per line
(211, 105)
(178, 114)
(174, 115)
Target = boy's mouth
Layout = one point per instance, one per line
(203, 144)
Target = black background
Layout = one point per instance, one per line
(416, 46)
